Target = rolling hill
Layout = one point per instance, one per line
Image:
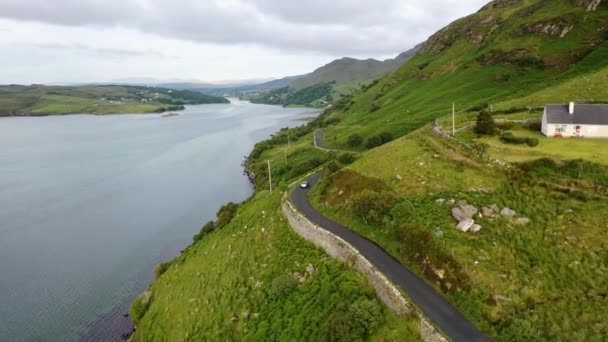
(35, 100)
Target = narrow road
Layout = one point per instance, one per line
(425, 297)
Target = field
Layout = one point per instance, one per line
(240, 283)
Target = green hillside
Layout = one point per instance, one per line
(540, 275)
(254, 279)
(331, 82)
(52, 100)
(507, 51)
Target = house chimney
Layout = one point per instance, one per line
(571, 109)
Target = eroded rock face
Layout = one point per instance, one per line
(558, 27)
(590, 5)
(499, 4)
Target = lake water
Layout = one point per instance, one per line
(90, 204)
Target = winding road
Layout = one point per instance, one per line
(432, 304)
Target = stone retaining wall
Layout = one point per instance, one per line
(341, 250)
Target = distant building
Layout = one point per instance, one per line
(576, 120)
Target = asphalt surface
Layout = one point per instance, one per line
(425, 297)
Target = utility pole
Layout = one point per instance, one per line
(453, 119)
(288, 147)
(269, 177)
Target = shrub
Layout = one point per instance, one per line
(333, 166)
(341, 327)
(534, 125)
(373, 141)
(385, 137)
(372, 207)
(374, 107)
(305, 166)
(485, 124)
(367, 313)
(346, 158)
(354, 140)
(161, 269)
(281, 286)
(206, 229)
(509, 138)
(225, 214)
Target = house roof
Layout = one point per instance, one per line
(584, 114)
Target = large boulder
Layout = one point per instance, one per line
(463, 212)
(465, 225)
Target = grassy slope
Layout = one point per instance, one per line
(552, 272)
(88, 99)
(471, 73)
(215, 280)
(544, 281)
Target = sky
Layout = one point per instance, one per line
(70, 41)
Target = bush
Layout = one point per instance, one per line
(354, 140)
(305, 166)
(373, 141)
(281, 286)
(341, 327)
(485, 124)
(161, 269)
(372, 207)
(333, 166)
(367, 313)
(207, 228)
(374, 107)
(385, 137)
(225, 214)
(534, 125)
(509, 138)
(346, 158)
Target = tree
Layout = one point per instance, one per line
(373, 141)
(485, 124)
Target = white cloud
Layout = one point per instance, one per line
(240, 38)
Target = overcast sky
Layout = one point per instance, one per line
(52, 41)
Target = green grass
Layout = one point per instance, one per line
(552, 271)
(210, 292)
(595, 150)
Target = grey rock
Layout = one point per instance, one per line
(463, 212)
(465, 225)
(438, 232)
(487, 212)
(475, 228)
(507, 212)
(451, 201)
(440, 201)
(522, 221)
(310, 269)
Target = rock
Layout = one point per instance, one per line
(500, 298)
(310, 269)
(462, 202)
(494, 207)
(451, 201)
(475, 228)
(440, 201)
(522, 221)
(438, 232)
(440, 274)
(463, 212)
(258, 284)
(568, 211)
(465, 225)
(341, 192)
(487, 212)
(399, 177)
(507, 212)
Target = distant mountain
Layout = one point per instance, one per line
(348, 70)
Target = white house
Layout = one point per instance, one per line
(576, 120)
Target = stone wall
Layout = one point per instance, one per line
(341, 250)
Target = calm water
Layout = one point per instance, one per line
(90, 204)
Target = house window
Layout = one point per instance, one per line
(560, 128)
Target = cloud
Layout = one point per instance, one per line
(95, 51)
(338, 27)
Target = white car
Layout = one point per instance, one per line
(304, 185)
